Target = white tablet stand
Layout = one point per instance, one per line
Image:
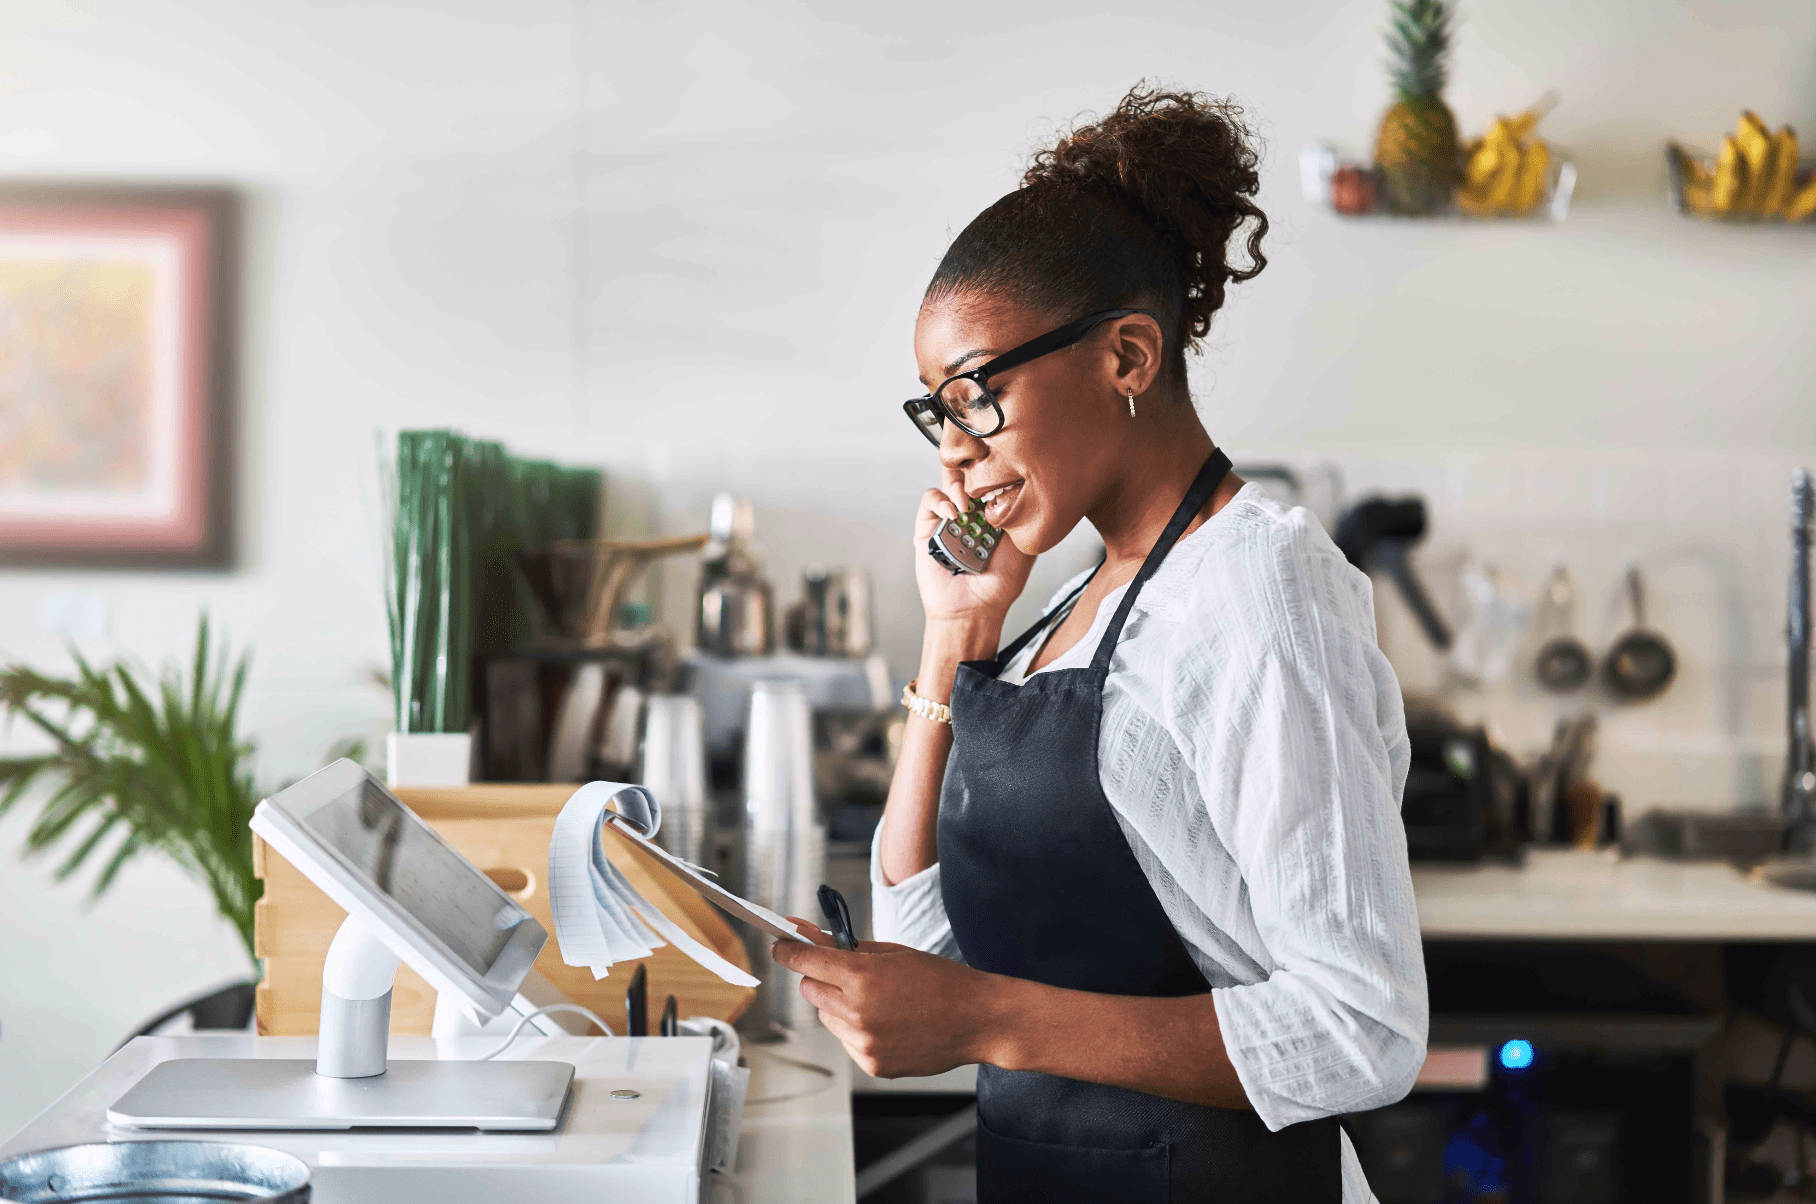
(350, 1083)
(355, 1028)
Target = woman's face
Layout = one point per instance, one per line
(1060, 443)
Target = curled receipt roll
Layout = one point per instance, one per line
(600, 918)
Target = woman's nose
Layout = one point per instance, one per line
(958, 448)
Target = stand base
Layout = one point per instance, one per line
(282, 1093)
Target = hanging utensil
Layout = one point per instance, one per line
(1563, 664)
(1490, 634)
(1640, 664)
(1378, 533)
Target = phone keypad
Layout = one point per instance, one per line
(966, 543)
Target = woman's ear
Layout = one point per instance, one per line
(1136, 342)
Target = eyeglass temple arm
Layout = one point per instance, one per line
(1054, 340)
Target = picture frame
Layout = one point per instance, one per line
(118, 363)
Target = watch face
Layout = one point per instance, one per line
(965, 544)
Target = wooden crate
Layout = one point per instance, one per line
(505, 831)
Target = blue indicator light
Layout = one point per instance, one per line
(1516, 1055)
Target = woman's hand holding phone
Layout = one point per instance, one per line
(964, 597)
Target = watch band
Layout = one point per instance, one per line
(926, 708)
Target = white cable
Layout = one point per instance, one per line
(553, 1007)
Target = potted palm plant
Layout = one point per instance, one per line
(140, 764)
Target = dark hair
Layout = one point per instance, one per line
(1137, 208)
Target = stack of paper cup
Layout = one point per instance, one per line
(784, 840)
(674, 770)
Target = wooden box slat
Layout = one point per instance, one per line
(505, 830)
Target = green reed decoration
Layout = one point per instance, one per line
(150, 765)
(462, 510)
(430, 592)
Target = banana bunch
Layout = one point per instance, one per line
(1755, 175)
(1505, 170)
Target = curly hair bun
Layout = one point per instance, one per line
(1137, 208)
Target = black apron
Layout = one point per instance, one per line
(1040, 883)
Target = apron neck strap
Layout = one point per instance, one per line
(1203, 486)
(1040, 625)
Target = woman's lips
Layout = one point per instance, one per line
(1000, 503)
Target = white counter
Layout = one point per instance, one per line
(795, 1146)
(1571, 895)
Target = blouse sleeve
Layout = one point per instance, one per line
(1302, 770)
(912, 912)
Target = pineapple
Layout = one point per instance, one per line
(1417, 148)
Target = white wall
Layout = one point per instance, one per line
(644, 235)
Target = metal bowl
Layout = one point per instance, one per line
(154, 1172)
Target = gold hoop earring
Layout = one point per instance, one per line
(1131, 403)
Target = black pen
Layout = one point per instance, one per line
(671, 1019)
(838, 918)
(636, 1004)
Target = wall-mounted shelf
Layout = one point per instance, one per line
(1318, 172)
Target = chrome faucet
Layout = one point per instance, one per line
(1799, 795)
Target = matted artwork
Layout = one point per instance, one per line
(115, 375)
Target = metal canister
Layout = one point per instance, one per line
(154, 1172)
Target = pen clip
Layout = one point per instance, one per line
(838, 917)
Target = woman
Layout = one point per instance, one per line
(1147, 870)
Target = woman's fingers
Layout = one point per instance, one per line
(853, 1041)
(812, 932)
(834, 966)
(936, 508)
(827, 999)
(955, 492)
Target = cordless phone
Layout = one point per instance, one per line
(965, 544)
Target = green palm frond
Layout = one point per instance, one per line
(140, 765)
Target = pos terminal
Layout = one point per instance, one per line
(409, 896)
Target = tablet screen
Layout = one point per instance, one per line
(403, 858)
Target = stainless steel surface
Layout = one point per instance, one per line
(835, 614)
(285, 1093)
(784, 842)
(1744, 840)
(1799, 787)
(854, 753)
(736, 614)
(167, 1172)
(674, 770)
(354, 1035)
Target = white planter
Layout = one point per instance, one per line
(428, 758)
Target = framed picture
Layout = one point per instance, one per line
(116, 375)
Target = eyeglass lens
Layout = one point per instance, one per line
(930, 420)
(970, 403)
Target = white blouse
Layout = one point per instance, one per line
(1253, 747)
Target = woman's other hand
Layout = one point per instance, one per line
(964, 597)
(896, 1010)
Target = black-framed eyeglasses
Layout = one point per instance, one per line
(966, 398)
